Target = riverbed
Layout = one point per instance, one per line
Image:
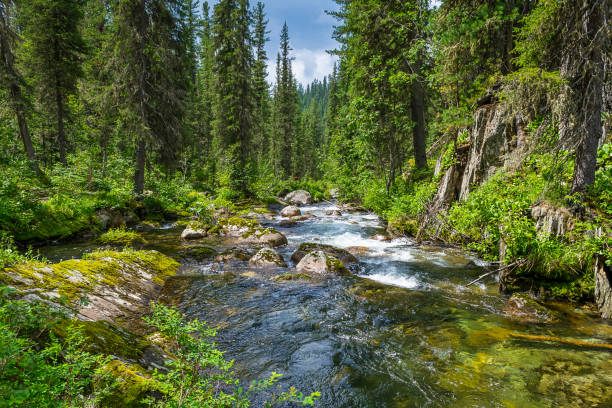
(402, 331)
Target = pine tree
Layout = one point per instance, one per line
(11, 80)
(151, 79)
(234, 91)
(55, 48)
(260, 84)
(286, 105)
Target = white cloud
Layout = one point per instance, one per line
(307, 65)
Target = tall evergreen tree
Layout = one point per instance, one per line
(285, 125)
(11, 80)
(234, 91)
(55, 48)
(150, 78)
(260, 84)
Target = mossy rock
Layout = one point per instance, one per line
(102, 337)
(343, 255)
(524, 308)
(321, 263)
(120, 237)
(197, 253)
(133, 384)
(292, 277)
(76, 277)
(402, 226)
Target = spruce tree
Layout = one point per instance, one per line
(55, 49)
(11, 80)
(260, 84)
(234, 100)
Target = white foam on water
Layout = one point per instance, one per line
(394, 279)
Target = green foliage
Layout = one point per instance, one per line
(601, 192)
(10, 255)
(120, 236)
(199, 376)
(40, 370)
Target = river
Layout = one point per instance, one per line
(404, 331)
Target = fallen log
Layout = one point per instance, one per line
(579, 343)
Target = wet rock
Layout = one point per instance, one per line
(267, 257)
(233, 254)
(299, 197)
(333, 213)
(246, 231)
(381, 237)
(194, 231)
(291, 211)
(524, 308)
(321, 263)
(116, 218)
(197, 253)
(358, 250)
(292, 277)
(343, 255)
(287, 223)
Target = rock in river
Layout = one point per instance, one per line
(344, 256)
(291, 211)
(318, 262)
(524, 308)
(267, 257)
(193, 232)
(299, 197)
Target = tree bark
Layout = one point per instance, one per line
(418, 117)
(61, 135)
(139, 175)
(586, 152)
(15, 92)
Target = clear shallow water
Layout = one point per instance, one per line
(403, 332)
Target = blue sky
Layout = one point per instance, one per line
(310, 32)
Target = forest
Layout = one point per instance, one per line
(481, 126)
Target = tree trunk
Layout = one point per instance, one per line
(15, 92)
(61, 135)
(586, 151)
(139, 174)
(418, 117)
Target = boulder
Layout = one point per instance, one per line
(344, 256)
(193, 231)
(233, 254)
(333, 213)
(267, 257)
(358, 250)
(291, 211)
(320, 263)
(525, 309)
(299, 197)
(380, 237)
(198, 253)
(287, 223)
(246, 231)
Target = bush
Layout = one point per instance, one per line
(120, 236)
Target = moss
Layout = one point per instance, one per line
(105, 338)
(214, 229)
(403, 226)
(120, 236)
(198, 253)
(336, 266)
(75, 277)
(292, 276)
(133, 384)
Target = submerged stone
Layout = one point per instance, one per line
(524, 308)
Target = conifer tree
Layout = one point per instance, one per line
(260, 84)
(286, 105)
(234, 91)
(11, 80)
(151, 81)
(55, 48)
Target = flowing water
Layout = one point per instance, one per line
(403, 332)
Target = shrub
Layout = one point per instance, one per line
(120, 236)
